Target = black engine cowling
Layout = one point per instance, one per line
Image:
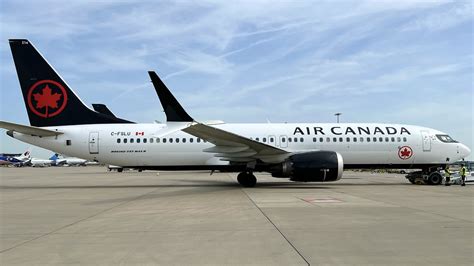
(316, 166)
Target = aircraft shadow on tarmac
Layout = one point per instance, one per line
(197, 187)
(210, 184)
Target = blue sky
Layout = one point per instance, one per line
(405, 62)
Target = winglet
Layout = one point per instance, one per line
(173, 110)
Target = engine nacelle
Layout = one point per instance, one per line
(316, 166)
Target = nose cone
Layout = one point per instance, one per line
(464, 151)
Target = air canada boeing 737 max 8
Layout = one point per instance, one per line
(309, 152)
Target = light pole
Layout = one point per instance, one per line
(337, 115)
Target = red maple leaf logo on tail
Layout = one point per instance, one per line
(47, 99)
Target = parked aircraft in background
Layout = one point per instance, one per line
(38, 162)
(71, 161)
(308, 152)
(21, 160)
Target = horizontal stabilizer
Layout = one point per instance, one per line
(103, 109)
(29, 130)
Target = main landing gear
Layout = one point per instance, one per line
(247, 179)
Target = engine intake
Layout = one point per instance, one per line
(316, 166)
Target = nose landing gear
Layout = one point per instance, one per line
(247, 179)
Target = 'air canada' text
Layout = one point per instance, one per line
(351, 131)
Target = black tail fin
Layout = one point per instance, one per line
(173, 110)
(48, 99)
(103, 109)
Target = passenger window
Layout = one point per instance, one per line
(198, 140)
(386, 139)
(144, 140)
(264, 139)
(375, 139)
(170, 140)
(157, 140)
(295, 139)
(271, 139)
(151, 140)
(328, 139)
(348, 139)
(283, 139)
(380, 139)
(68, 142)
(164, 140)
(355, 139)
(138, 140)
(257, 139)
(124, 140)
(393, 139)
(301, 139)
(399, 139)
(404, 139)
(289, 139)
(177, 140)
(118, 140)
(191, 140)
(321, 140)
(368, 139)
(334, 139)
(184, 140)
(361, 139)
(132, 140)
(341, 140)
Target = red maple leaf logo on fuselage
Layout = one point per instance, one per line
(47, 99)
(405, 153)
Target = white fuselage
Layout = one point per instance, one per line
(359, 144)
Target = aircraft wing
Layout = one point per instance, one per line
(229, 146)
(233, 147)
(29, 130)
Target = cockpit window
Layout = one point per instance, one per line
(446, 138)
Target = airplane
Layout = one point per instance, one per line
(61, 159)
(38, 162)
(305, 152)
(19, 161)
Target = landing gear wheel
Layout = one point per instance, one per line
(247, 179)
(435, 179)
(120, 170)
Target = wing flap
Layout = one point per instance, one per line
(226, 149)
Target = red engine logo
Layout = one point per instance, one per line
(47, 98)
(405, 152)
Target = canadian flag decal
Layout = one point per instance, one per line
(139, 133)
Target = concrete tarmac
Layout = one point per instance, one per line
(86, 215)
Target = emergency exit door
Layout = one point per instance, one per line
(94, 142)
(426, 140)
